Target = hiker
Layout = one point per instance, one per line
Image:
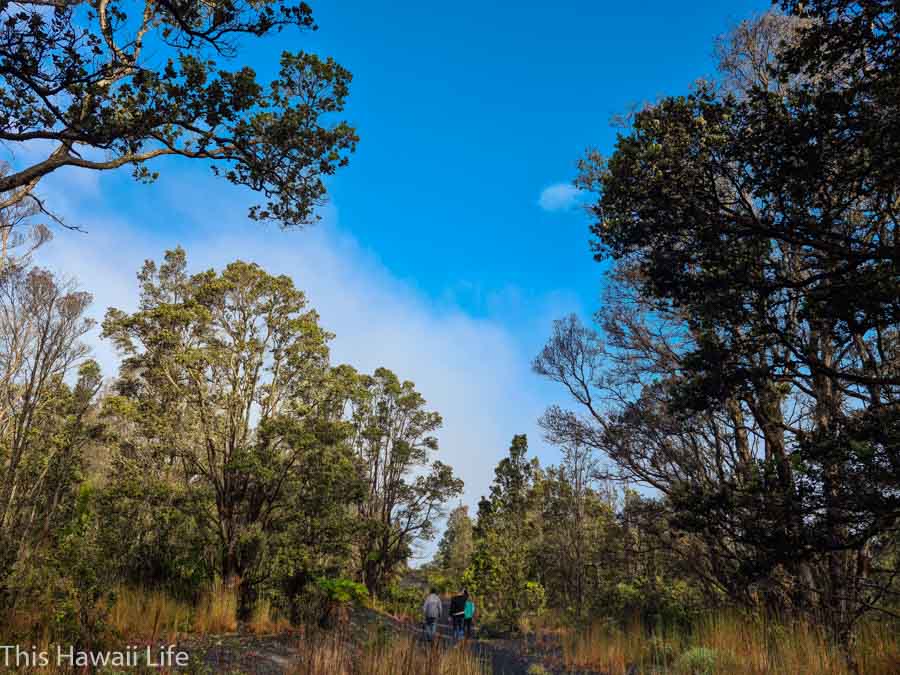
(432, 610)
(469, 614)
(457, 613)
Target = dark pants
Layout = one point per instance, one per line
(457, 625)
(468, 627)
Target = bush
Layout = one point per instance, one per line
(64, 588)
(331, 599)
(658, 602)
(658, 652)
(703, 661)
(535, 597)
(404, 600)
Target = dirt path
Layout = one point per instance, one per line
(502, 656)
(276, 654)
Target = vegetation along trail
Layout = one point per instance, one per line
(273, 451)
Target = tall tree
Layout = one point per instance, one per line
(455, 547)
(48, 421)
(226, 379)
(112, 83)
(405, 489)
(502, 571)
(751, 366)
(42, 323)
(580, 551)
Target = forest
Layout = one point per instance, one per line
(726, 497)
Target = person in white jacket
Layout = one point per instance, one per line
(432, 610)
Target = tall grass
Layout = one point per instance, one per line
(147, 614)
(399, 655)
(731, 643)
(151, 615)
(607, 648)
(266, 620)
(217, 610)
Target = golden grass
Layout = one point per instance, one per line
(604, 647)
(151, 615)
(399, 655)
(217, 611)
(266, 621)
(731, 643)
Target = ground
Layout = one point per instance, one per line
(275, 654)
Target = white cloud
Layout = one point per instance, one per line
(474, 371)
(558, 197)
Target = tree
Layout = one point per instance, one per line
(48, 425)
(749, 54)
(227, 385)
(112, 83)
(455, 547)
(502, 571)
(405, 490)
(750, 369)
(17, 229)
(41, 418)
(579, 557)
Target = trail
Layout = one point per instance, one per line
(503, 658)
(276, 654)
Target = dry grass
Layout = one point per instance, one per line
(603, 647)
(265, 621)
(149, 615)
(728, 643)
(152, 615)
(217, 611)
(405, 656)
(400, 655)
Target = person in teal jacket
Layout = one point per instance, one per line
(469, 614)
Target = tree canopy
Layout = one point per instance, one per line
(747, 364)
(110, 83)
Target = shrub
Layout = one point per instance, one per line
(703, 661)
(63, 589)
(332, 597)
(658, 652)
(404, 600)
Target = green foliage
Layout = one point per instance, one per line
(533, 598)
(136, 81)
(54, 575)
(456, 545)
(405, 489)
(233, 418)
(66, 588)
(557, 539)
(407, 600)
(501, 570)
(330, 599)
(659, 602)
(703, 661)
(342, 590)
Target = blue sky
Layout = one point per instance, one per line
(452, 240)
(467, 110)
